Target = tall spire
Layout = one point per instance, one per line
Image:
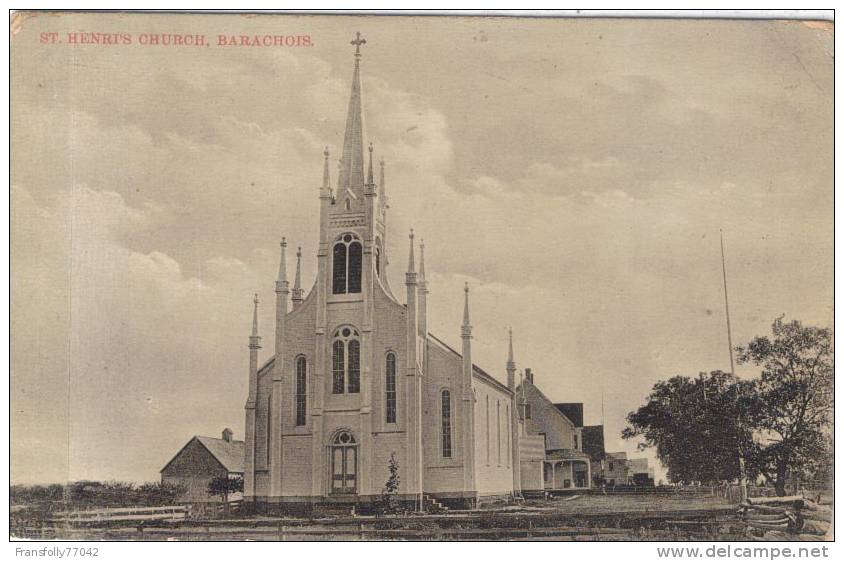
(297, 282)
(351, 163)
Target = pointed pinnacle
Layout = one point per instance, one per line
(422, 259)
(282, 265)
(466, 305)
(411, 260)
(326, 175)
(255, 317)
(510, 360)
(297, 283)
(370, 178)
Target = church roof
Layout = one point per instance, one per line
(476, 370)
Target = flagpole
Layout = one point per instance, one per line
(742, 477)
(727, 306)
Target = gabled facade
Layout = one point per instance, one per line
(564, 465)
(355, 377)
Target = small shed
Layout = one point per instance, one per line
(202, 459)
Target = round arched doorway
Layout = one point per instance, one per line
(344, 463)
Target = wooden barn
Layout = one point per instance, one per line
(202, 459)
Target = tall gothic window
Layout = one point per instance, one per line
(509, 435)
(353, 352)
(378, 261)
(498, 430)
(446, 423)
(347, 265)
(340, 252)
(346, 361)
(269, 425)
(390, 386)
(487, 430)
(301, 390)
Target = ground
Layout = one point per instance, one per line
(607, 504)
(587, 517)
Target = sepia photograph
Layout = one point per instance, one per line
(421, 277)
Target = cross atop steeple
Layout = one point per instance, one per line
(357, 42)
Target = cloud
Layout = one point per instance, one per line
(577, 184)
(148, 348)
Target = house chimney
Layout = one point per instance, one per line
(227, 434)
(529, 375)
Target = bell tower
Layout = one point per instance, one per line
(351, 265)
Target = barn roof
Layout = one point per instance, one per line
(228, 453)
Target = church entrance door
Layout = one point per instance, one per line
(344, 464)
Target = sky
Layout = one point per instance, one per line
(575, 173)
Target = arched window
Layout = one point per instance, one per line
(346, 361)
(487, 430)
(446, 423)
(390, 386)
(344, 463)
(348, 204)
(353, 352)
(269, 425)
(378, 261)
(498, 430)
(339, 268)
(347, 265)
(509, 434)
(301, 390)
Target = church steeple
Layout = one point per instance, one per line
(351, 162)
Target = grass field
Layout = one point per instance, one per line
(638, 517)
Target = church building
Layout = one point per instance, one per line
(355, 377)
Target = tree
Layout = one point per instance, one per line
(391, 487)
(695, 425)
(792, 400)
(223, 486)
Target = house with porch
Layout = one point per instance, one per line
(551, 453)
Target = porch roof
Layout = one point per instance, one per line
(565, 454)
